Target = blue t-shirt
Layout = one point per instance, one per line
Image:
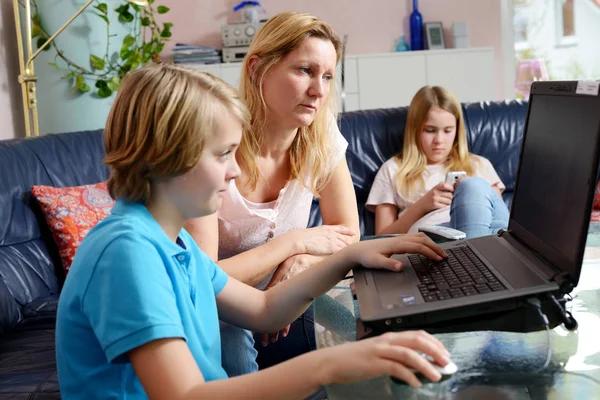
(130, 284)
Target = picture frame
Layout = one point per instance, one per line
(434, 36)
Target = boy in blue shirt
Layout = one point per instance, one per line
(138, 314)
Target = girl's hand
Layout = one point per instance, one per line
(438, 197)
(376, 253)
(323, 240)
(391, 354)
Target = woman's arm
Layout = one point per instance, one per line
(338, 201)
(251, 266)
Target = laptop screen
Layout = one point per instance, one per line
(557, 176)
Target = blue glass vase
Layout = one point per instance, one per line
(416, 28)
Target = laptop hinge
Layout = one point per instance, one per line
(562, 279)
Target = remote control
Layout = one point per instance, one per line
(443, 232)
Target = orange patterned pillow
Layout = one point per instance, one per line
(71, 212)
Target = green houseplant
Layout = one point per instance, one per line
(143, 43)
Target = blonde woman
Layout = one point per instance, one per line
(138, 316)
(292, 152)
(410, 191)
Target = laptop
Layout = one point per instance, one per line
(541, 250)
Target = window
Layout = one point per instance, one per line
(565, 21)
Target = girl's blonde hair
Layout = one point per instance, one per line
(281, 35)
(158, 125)
(411, 160)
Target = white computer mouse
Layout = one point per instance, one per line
(446, 371)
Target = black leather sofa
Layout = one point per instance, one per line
(30, 277)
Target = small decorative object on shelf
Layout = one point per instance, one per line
(402, 45)
(434, 36)
(416, 28)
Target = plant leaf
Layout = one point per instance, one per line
(53, 64)
(122, 8)
(40, 42)
(35, 31)
(150, 1)
(104, 92)
(84, 88)
(102, 7)
(136, 7)
(145, 21)
(125, 52)
(162, 9)
(168, 25)
(128, 41)
(114, 83)
(69, 75)
(97, 62)
(105, 18)
(126, 17)
(166, 33)
(78, 82)
(101, 83)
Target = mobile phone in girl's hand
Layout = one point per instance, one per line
(453, 176)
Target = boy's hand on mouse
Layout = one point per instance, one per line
(438, 197)
(391, 354)
(376, 253)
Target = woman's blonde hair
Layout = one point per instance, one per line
(281, 35)
(411, 160)
(158, 125)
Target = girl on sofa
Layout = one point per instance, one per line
(138, 314)
(291, 152)
(410, 191)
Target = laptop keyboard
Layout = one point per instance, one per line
(461, 274)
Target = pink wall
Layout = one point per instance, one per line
(373, 26)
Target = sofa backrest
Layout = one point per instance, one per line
(494, 131)
(28, 254)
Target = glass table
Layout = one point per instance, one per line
(492, 365)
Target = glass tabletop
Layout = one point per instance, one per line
(492, 365)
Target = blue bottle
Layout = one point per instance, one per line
(416, 28)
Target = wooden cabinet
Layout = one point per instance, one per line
(392, 79)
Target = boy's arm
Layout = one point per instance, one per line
(167, 369)
(273, 309)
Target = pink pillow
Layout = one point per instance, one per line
(71, 212)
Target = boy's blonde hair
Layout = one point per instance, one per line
(158, 125)
(411, 160)
(279, 36)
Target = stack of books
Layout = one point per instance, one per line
(190, 54)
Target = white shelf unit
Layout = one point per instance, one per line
(392, 79)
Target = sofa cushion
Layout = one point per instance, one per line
(71, 212)
(28, 367)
